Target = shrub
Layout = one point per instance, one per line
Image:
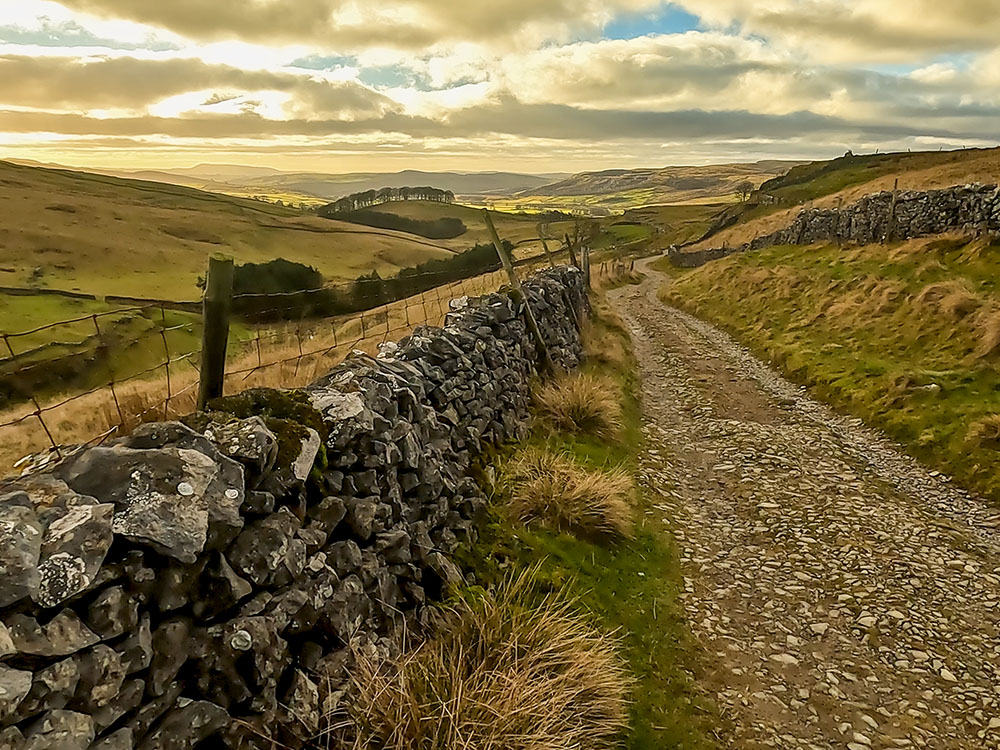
(581, 403)
(499, 675)
(553, 490)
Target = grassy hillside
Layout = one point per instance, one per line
(906, 336)
(520, 229)
(104, 235)
(620, 189)
(677, 224)
(842, 181)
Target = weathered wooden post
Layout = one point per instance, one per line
(515, 283)
(572, 255)
(586, 265)
(548, 255)
(215, 333)
(890, 228)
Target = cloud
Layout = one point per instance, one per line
(129, 83)
(349, 25)
(507, 118)
(855, 30)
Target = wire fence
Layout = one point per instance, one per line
(141, 363)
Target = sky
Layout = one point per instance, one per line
(525, 85)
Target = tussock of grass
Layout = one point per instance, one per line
(988, 328)
(586, 404)
(502, 674)
(954, 298)
(985, 431)
(553, 490)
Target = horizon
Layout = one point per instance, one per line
(567, 86)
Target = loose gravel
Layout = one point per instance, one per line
(844, 596)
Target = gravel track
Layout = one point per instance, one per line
(843, 595)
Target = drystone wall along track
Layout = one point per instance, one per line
(875, 218)
(183, 586)
(843, 595)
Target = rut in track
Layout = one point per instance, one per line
(843, 596)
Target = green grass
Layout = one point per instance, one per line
(66, 358)
(631, 587)
(867, 331)
(107, 235)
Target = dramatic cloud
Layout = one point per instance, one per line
(868, 29)
(349, 25)
(554, 85)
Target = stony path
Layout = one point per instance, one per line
(844, 596)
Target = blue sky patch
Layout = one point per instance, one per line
(669, 20)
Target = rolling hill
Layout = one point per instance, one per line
(826, 184)
(660, 186)
(904, 335)
(245, 181)
(107, 235)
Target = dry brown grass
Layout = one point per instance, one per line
(987, 331)
(554, 491)
(500, 674)
(581, 403)
(985, 431)
(323, 345)
(605, 276)
(953, 298)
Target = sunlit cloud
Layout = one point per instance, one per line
(345, 85)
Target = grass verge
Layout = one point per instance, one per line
(504, 672)
(904, 336)
(629, 586)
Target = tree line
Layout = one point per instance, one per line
(281, 290)
(368, 198)
(445, 228)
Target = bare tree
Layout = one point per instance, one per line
(744, 190)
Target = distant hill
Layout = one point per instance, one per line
(668, 184)
(335, 186)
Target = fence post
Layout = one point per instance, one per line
(586, 265)
(548, 255)
(215, 334)
(890, 230)
(508, 266)
(572, 255)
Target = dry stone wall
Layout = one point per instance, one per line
(876, 218)
(183, 586)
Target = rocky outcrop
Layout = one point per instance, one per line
(185, 584)
(875, 218)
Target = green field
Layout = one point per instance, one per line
(905, 336)
(105, 235)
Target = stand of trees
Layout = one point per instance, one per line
(433, 229)
(302, 294)
(370, 198)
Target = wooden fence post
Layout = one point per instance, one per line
(508, 266)
(586, 265)
(572, 255)
(548, 255)
(890, 229)
(215, 334)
